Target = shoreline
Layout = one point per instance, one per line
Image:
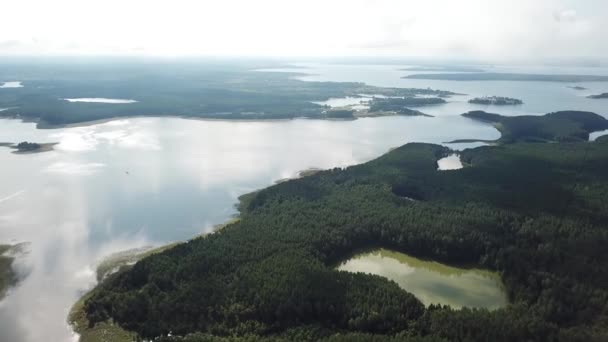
(111, 264)
(122, 260)
(44, 126)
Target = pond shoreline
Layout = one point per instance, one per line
(431, 281)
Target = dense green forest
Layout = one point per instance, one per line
(27, 146)
(496, 101)
(401, 104)
(534, 212)
(7, 276)
(599, 96)
(206, 89)
(564, 126)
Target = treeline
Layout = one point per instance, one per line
(496, 100)
(536, 213)
(399, 104)
(207, 89)
(563, 126)
(27, 146)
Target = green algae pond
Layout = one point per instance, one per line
(431, 281)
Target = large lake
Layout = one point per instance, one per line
(148, 181)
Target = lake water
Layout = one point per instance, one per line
(130, 183)
(432, 282)
(100, 100)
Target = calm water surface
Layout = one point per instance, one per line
(432, 282)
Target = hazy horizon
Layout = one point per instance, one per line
(475, 30)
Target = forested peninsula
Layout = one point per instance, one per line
(534, 212)
(61, 96)
(563, 126)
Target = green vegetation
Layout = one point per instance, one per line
(108, 331)
(599, 96)
(496, 101)
(565, 126)
(202, 89)
(398, 104)
(493, 76)
(8, 278)
(536, 213)
(443, 69)
(340, 114)
(100, 332)
(27, 146)
(412, 112)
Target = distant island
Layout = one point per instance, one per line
(599, 96)
(493, 76)
(26, 146)
(577, 88)
(29, 147)
(496, 100)
(443, 69)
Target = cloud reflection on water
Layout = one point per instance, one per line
(137, 182)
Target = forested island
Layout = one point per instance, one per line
(494, 76)
(25, 147)
(534, 212)
(443, 69)
(216, 90)
(599, 96)
(496, 101)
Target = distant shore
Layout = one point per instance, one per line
(44, 147)
(45, 125)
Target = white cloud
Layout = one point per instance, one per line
(477, 28)
(566, 15)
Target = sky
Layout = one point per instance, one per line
(482, 29)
